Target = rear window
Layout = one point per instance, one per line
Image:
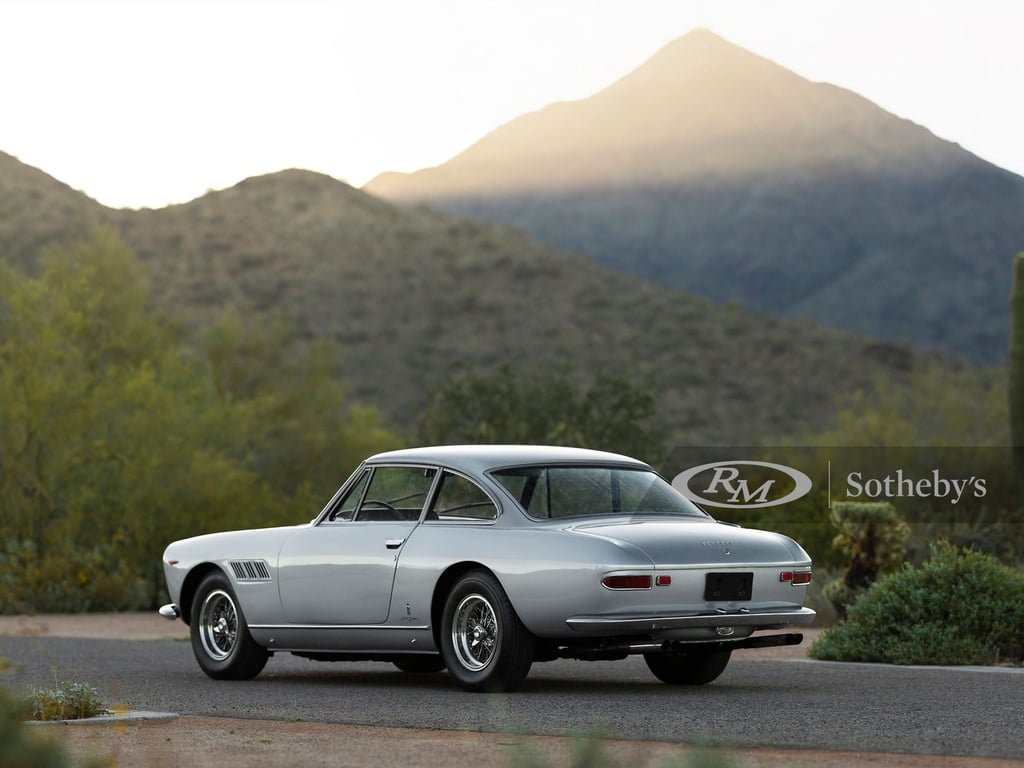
(563, 492)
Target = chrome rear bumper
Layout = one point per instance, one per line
(170, 611)
(609, 625)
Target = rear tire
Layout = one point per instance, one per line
(220, 637)
(484, 644)
(687, 667)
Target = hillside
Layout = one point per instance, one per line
(713, 169)
(37, 210)
(410, 293)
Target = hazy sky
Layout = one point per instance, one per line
(146, 102)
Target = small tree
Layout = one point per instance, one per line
(117, 438)
(509, 406)
(872, 535)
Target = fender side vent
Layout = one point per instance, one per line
(250, 570)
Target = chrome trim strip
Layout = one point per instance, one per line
(727, 566)
(709, 619)
(337, 626)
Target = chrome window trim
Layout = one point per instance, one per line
(324, 516)
(436, 489)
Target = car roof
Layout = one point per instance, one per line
(480, 458)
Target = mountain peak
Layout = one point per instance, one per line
(713, 168)
(701, 106)
(699, 44)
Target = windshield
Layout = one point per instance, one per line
(547, 492)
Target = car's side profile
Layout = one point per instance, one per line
(485, 559)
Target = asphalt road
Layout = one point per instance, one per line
(800, 704)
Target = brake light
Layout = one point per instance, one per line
(796, 578)
(663, 581)
(626, 582)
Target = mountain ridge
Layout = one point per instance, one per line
(412, 295)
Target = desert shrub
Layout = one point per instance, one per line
(959, 607)
(66, 701)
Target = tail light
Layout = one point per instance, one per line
(796, 578)
(626, 582)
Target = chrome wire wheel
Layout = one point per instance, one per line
(483, 643)
(220, 639)
(218, 625)
(475, 631)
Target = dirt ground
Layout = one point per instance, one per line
(201, 741)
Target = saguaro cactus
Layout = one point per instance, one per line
(1016, 387)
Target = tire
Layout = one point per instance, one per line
(420, 665)
(484, 644)
(687, 668)
(220, 638)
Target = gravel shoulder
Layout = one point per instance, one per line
(102, 626)
(204, 741)
(213, 742)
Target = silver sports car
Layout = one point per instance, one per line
(485, 559)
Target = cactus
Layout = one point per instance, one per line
(1016, 384)
(872, 534)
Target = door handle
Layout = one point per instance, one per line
(393, 543)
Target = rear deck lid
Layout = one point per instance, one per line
(683, 542)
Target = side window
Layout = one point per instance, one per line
(345, 508)
(395, 493)
(530, 487)
(461, 499)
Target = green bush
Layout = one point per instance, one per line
(959, 607)
(68, 580)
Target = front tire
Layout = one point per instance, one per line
(484, 644)
(687, 667)
(220, 638)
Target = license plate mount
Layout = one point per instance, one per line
(730, 587)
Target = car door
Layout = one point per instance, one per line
(341, 571)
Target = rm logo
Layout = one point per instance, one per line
(727, 487)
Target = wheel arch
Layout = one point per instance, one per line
(191, 584)
(444, 585)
